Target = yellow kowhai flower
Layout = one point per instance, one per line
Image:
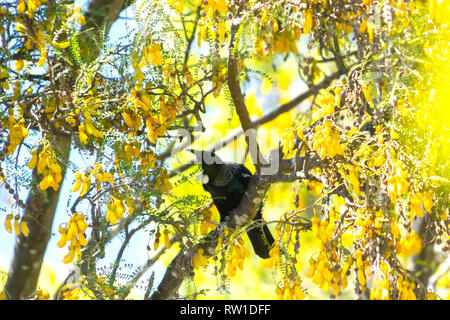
(42, 59)
(82, 133)
(427, 201)
(60, 45)
(444, 281)
(177, 4)
(41, 294)
(309, 21)
(127, 118)
(312, 268)
(326, 140)
(206, 225)
(326, 101)
(101, 176)
(74, 11)
(48, 167)
(152, 55)
(70, 291)
(274, 258)
(19, 65)
(298, 292)
(115, 211)
(8, 225)
(68, 258)
(380, 290)
(411, 244)
(86, 184)
(406, 288)
(397, 182)
(50, 180)
(415, 205)
(63, 239)
(77, 184)
(16, 224)
(216, 5)
(290, 291)
(21, 7)
(237, 258)
(166, 239)
(156, 242)
(34, 159)
(288, 143)
(90, 129)
(380, 159)
(315, 187)
(199, 260)
(16, 135)
(24, 227)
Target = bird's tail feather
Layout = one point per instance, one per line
(261, 239)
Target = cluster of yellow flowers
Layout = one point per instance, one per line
(205, 224)
(367, 28)
(274, 258)
(288, 141)
(74, 233)
(238, 253)
(74, 11)
(132, 119)
(199, 260)
(30, 6)
(363, 268)
(409, 245)
(83, 182)
(315, 187)
(163, 183)
(326, 140)
(152, 55)
(381, 288)
(140, 99)
(19, 227)
(41, 294)
(87, 129)
(101, 175)
(367, 222)
(291, 290)
(322, 275)
(166, 239)
(406, 287)
(47, 166)
(17, 133)
(397, 182)
(416, 202)
(35, 36)
(71, 291)
(115, 211)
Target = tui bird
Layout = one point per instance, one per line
(227, 183)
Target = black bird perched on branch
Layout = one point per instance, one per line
(227, 183)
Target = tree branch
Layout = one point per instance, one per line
(238, 99)
(182, 267)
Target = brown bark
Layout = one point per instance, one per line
(41, 205)
(40, 210)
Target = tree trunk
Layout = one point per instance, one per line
(41, 205)
(40, 210)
